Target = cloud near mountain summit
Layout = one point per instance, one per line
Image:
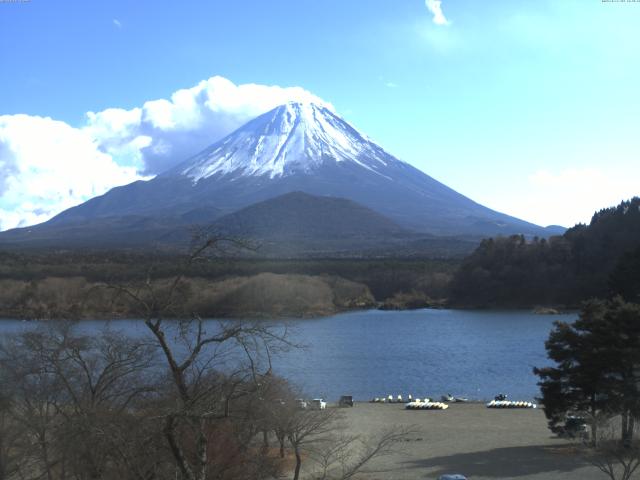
(164, 132)
(47, 166)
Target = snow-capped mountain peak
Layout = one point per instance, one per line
(297, 147)
(292, 138)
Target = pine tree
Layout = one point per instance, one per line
(597, 371)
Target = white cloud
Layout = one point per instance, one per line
(391, 85)
(435, 7)
(47, 166)
(117, 23)
(163, 133)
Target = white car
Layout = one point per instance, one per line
(318, 404)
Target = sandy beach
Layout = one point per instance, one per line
(473, 440)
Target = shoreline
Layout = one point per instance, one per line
(264, 316)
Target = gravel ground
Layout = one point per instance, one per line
(471, 439)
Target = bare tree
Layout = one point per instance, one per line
(319, 436)
(345, 456)
(617, 458)
(210, 364)
(305, 429)
(67, 392)
(188, 399)
(10, 435)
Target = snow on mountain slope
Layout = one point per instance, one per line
(297, 147)
(293, 138)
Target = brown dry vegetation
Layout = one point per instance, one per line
(261, 295)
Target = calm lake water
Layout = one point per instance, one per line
(374, 353)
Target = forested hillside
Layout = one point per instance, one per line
(599, 259)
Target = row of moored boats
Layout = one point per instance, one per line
(428, 404)
(417, 405)
(510, 404)
(397, 399)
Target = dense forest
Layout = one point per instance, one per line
(58, 284)
(596, 260)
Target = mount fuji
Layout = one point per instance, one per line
(293, 148)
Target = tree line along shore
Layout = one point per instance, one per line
(599, 260)
(180, 407)
(52, 285)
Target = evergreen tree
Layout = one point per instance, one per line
(597, 371)
(625, 278)
(560, 271)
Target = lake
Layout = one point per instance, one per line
(367, 354)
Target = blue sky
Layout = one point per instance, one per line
(529, 107)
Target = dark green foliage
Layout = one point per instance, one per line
(625, 278)
(597, 365)
(514, 271)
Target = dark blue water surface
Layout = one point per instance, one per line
(421, 352)
(374, 353)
